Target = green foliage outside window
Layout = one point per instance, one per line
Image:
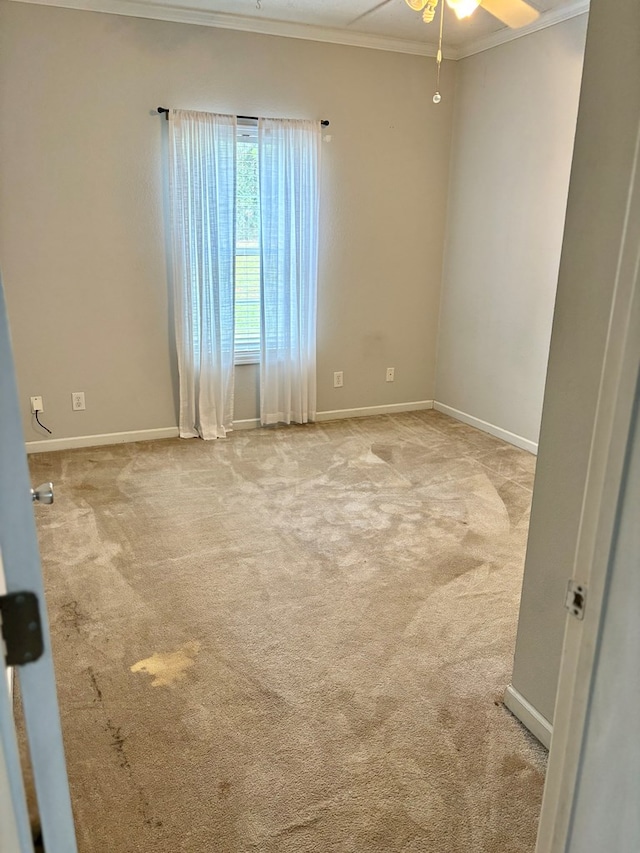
(247, 302)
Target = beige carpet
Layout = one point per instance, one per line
(293, 640)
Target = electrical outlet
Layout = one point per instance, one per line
(77, 401)
(391, 374)
(36, 405)
(338, 379)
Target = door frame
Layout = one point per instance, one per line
(9, 829)
(9, 839)
(22, 573)
(600, 514)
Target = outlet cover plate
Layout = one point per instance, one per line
(77, 401)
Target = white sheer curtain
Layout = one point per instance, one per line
(289, 161)
(202, 175)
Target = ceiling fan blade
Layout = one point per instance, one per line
(369, 12)
(513, 13)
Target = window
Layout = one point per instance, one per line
(247, 260)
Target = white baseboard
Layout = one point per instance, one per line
(49, 444)
(338, 414)
(247, 423)
(492, 429)
(365, 411)
(531, 719)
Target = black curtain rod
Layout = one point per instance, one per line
(165, 110)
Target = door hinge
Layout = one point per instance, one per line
(21, 628)
(576, 600)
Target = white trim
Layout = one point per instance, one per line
(339, 414)
(50, 444)
(600, 514)
(9, 833)
(247, 423)
(546, 19)
(530, 718)
(366, 411)
(244, 23)
(492, 429)
(311, 32)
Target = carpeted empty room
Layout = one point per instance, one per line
(294, 640)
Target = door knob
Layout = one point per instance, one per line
(43, 494)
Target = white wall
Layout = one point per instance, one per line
(82, 215)
(514, 128)
(606, 137)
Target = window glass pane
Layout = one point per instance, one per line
(247, 304)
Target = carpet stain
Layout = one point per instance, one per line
(118, 741)
(224, 789)
(169, 667)
(72, 616)
(94, 683)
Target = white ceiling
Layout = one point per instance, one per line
(393, 27)
(395, 20)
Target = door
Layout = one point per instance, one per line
(20, 562)
(595, 738)
(605, 813)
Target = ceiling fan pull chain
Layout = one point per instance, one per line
(437, 96)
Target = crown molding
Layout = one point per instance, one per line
(547, 19)
(161, 11)
(222, 20)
